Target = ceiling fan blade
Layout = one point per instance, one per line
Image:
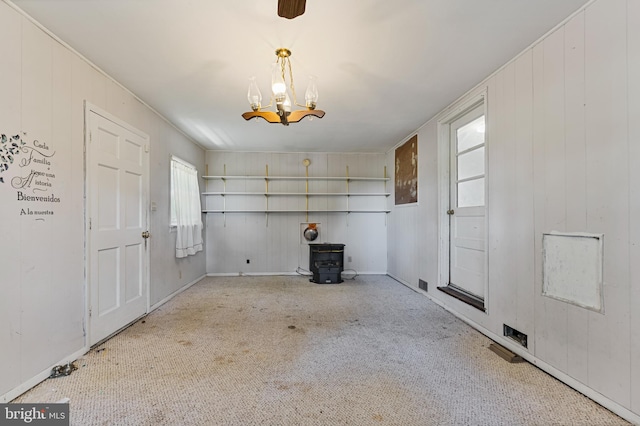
(291, 8)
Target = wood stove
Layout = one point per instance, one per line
(326, 263)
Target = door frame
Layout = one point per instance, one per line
(478, 98)
(88, 109)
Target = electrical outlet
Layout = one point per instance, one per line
(179, 273)
(248, 261)
(349, 259)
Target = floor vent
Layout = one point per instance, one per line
(505, 353)
(422, 285)
(515, 335)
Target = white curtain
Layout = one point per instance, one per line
(186, 208)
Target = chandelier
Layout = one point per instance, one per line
(283, 114)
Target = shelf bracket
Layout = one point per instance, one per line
(306, 189)
(348, 198)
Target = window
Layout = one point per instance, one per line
(186, 213)
(470, 163)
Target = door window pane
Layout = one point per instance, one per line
(471, 134)
(471, 164)
(471, 193)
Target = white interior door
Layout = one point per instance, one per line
(467, 259)
(116, 198)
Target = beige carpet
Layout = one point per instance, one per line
(284, 351)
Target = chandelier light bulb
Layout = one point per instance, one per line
(253, 94)
(311, 95)
(278, 86)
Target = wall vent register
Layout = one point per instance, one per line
(515, 335)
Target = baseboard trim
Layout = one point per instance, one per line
(175, 293)
(590, 393)
(249, 274)
(269, 274)
(40, 377)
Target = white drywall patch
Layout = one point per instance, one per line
(572, 268)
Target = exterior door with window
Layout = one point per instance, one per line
(467, 257)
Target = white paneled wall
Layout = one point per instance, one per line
(563, 138)
(44, 86)
(607, 194)
(10, 112)
(633, 102)
(272, 241)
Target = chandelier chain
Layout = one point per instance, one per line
(283, 71)
(293, 89)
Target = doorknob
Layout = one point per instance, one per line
(450, 212)
(145, 235)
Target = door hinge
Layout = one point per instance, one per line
(89, 224)
(90, 312)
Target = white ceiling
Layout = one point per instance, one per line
(384, 67)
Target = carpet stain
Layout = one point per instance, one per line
(302, 387)
(371, 344)
(223, 360)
